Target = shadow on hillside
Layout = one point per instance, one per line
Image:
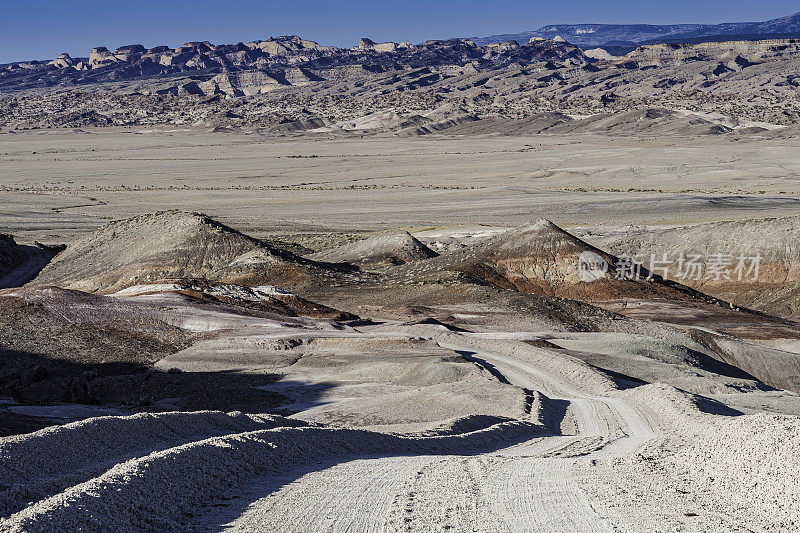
(31, 379)
(36, 258)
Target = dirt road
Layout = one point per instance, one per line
(527, 487)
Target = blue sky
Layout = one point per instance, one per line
(39, 29)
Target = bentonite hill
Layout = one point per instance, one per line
(546, 281)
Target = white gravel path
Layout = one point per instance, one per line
(528, 475)
(527, 487)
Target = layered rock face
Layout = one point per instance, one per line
(739, 53)
(757, 260)
(543, 259)
(252, 68)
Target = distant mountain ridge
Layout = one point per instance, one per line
(260, 66)
(633, 34)
(285, 85)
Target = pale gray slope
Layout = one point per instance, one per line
(386, 249)
(172, 244)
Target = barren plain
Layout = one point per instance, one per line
(57, 185)
(383, 333)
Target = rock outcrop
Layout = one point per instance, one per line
(757, 260)
(174, 245)
(733, 54)
(254, 68)
(386, 249)
(368, 44)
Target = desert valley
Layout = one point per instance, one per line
(462, 285)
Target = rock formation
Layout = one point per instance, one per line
(173, 244)
(231, 69)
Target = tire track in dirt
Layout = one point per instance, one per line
(325, 479)
(544, 494)
(350, 497)
(527, 487)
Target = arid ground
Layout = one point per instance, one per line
(389, 333)
(57, 185)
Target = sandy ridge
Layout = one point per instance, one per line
(43, 463)
(156, 491)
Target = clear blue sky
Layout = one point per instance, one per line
(39, 29)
